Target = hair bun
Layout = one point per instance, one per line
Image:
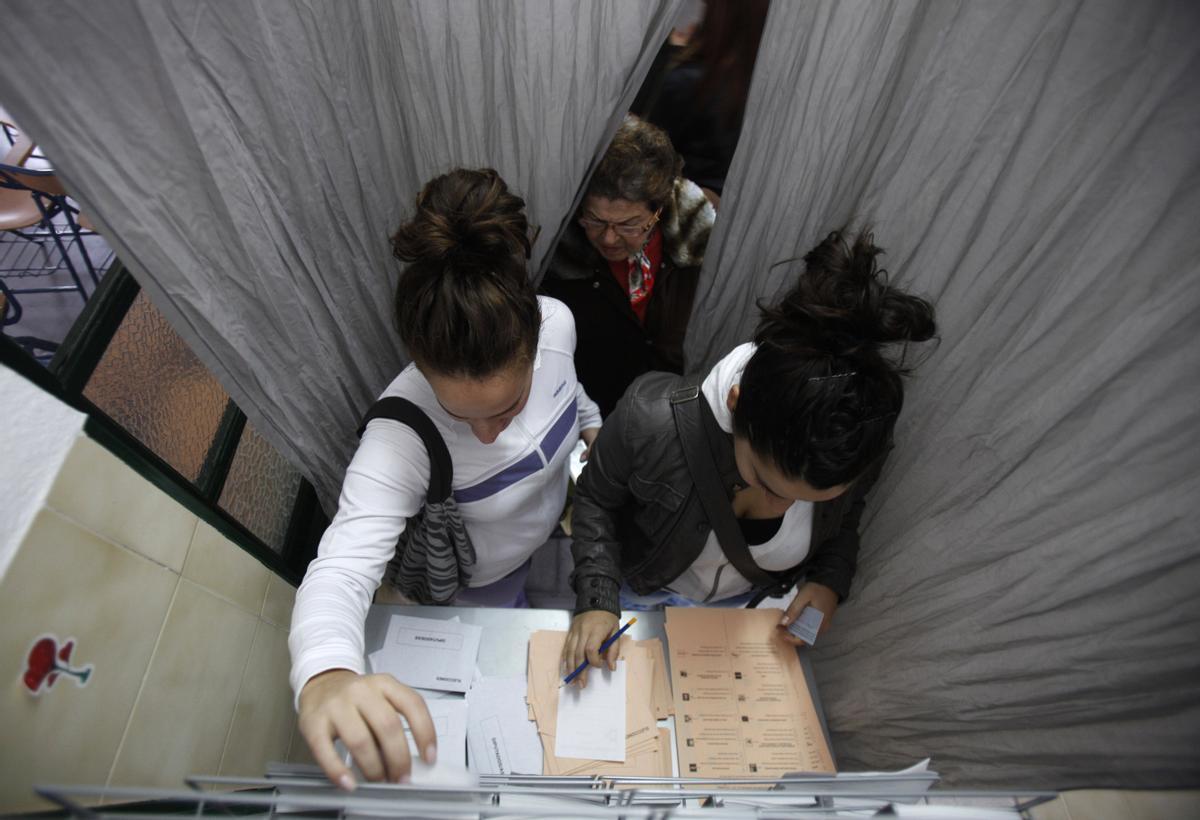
(464, 303)
(842, 301)
(468, 213)
(901, 317)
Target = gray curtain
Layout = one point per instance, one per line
(1026, 609)
(249, 160)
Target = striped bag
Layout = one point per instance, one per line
(434, 555)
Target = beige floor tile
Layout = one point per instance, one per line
(1096, 804)
(298, 751)
(263, 716)
(222, 567)
(1103, 804)
(101, 492)
(1165, 804)
(68, 582)
(1056, 809)
(182, 716)
(281, 597)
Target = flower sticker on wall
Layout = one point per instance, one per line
(46, 661)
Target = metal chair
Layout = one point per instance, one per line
(21, 188)
(30, 201)
(10, 314)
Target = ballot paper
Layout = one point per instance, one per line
(903, 785)
(647, 749)
(450, 723)
(870, 793)
(449, 717)
(428, 653)
(742, 705)
(500, 737)
(591, 721)
(661, 690)
(805, 627)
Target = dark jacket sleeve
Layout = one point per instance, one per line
(836, 558)
(602, 492)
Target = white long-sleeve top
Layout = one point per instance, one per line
(711, 577)
(510, 493)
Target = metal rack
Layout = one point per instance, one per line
(296, 791)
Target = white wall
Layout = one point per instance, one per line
(36, 433)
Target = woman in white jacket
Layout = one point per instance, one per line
(493, 370)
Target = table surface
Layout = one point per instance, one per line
(503, 646)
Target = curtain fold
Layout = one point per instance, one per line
(248, 162)
(1025, 610)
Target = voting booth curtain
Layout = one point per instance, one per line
(1025, 609)
(248, 162)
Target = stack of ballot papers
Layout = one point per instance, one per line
(500, 737)
(434, 657)
(611, 726)
(742, 704)
(428, 654)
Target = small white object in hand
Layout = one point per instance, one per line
(805, 627)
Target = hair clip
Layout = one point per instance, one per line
(834, 376)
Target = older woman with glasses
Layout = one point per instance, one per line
(628, 266)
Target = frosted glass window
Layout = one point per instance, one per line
(150, 383)
(261, 488)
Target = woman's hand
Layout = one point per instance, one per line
(818, 596)
(364, 711)
(589, 438)
(588, 631)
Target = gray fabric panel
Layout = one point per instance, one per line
(249, 160)
(1026, 608)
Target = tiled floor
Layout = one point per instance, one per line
(1113, 804)
(185, 636)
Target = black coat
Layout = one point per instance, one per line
(613, 347)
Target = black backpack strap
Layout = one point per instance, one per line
(441, 469)
(698, 433)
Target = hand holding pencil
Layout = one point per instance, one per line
(591, 641)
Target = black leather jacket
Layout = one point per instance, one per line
(638, 517)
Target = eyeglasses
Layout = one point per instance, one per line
(600, 226)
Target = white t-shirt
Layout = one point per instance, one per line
(510, 493)
(711, 577)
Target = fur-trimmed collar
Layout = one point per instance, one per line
(686, 223)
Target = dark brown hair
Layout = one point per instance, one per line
(464, 302)
(820, 395)
(640, 165)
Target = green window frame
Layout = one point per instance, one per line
(67, 376)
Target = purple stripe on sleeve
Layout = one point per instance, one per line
(558, 432)
(505, 478)
(526, 466)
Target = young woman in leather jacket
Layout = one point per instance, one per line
(805, 415)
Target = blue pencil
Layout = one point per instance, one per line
(603, 647)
